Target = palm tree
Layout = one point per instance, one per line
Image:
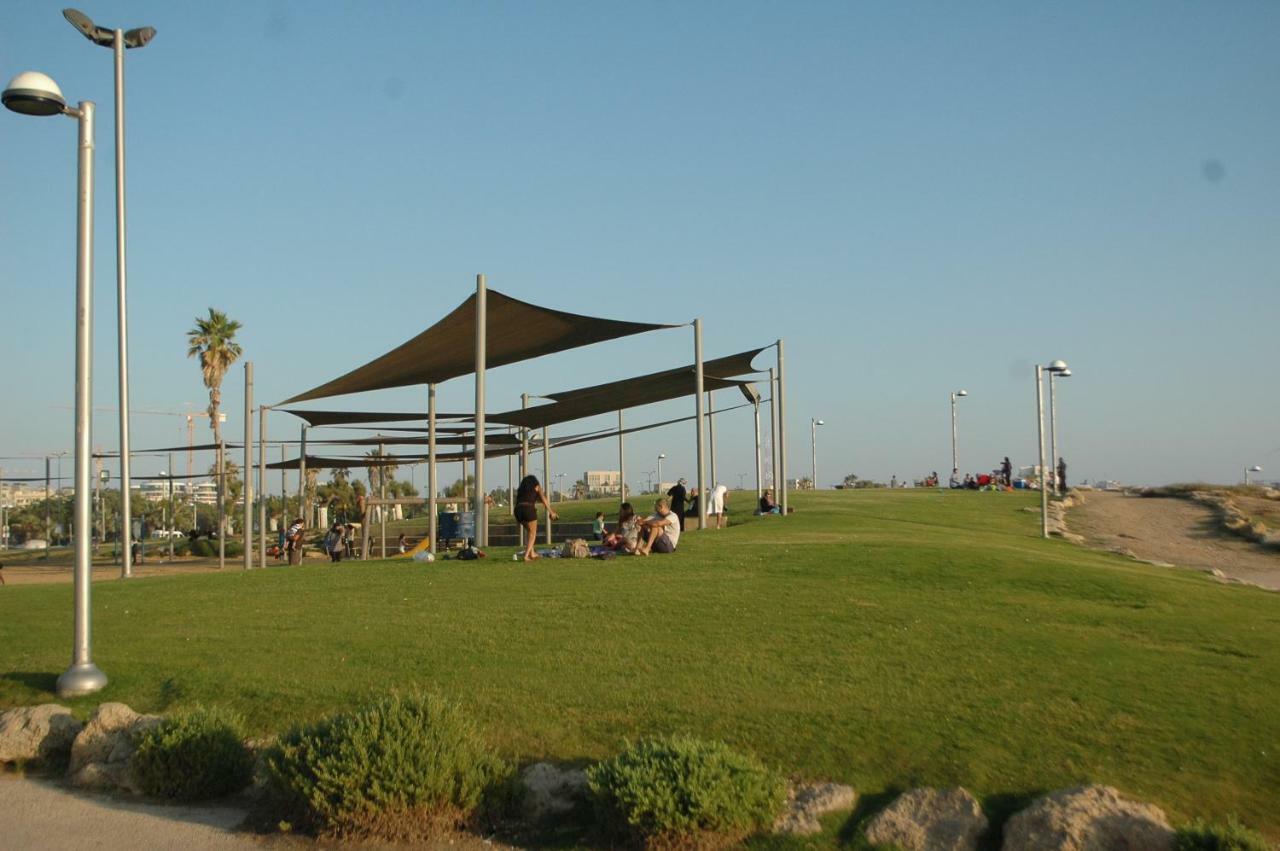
(213, 341)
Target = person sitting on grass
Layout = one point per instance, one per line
(660, 532)
(767, 503)
(597, 526)
(627, 536)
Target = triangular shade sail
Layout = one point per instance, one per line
(328, 418)
(516, 331)
(631, 392)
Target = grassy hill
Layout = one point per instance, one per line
(885, 639)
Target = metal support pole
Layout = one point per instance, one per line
(247, 469)
(782, 428)
(511, 475)
(222, 505)
(302, 478)
(759, 460)
(702, 425)
(524, 462)
(382, 494)
(83, 677)
(546, 472)
(773, 431)
(173, 517)
(431, 465)
(482, 323)
(711, 438)
(622, 462)
(262, 486)
(1044, 482)
(126, 508)
(48, 511)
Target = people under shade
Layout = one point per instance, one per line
(679, 496)
(660, 531)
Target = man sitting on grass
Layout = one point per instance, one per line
(660, 532)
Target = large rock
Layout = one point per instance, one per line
(551, 791)
(806, 804)
(101, 753)
(37, 733)
(1088, 818)
(930, 820)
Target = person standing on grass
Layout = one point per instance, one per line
(719, 498)
(528, 495)
(660, 532)
(679, 500)
(293, 540)
(1062, 475)
(333, 543)
(1006, 470)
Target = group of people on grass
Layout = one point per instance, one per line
(1001, 478)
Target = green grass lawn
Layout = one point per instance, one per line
(884, 639)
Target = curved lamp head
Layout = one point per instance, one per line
(1058, 366)
(962, 392)
(661, 456)
(818, 422)
(33, 93)
(105, 37)
(1064, 373)
(1255, 469)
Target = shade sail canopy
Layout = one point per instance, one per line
(401, 440)
(516, 331)
(632, 392)
(324, 418)
(199, 447)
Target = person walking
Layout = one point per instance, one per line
(679, 500)
(333, 543)
(719, 498)
(528, 495)
(1006, 470)
(1062, 475)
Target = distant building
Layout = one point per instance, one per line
(602, 482)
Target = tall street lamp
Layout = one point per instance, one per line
(813, 450)
(33, 93)
(1055, 366)
(660, 457)
(1247, 470)
(1057, 369)
(118, 41)
(955, 463)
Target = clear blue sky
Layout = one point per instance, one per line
(919, 197)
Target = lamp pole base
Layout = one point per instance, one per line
(81, 679)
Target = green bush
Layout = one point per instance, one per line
(192, 756)
(403, 767)
(680, 791)
(1232, 836)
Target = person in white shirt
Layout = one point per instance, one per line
(660, 532)
(715, 508)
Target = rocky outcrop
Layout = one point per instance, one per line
(1088, 818)
(930, 820)
(37, 734)
(806, 804)
(100, 755)
(551, 791)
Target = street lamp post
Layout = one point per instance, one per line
(660, 457)
(955, 461)
(1056, 366)
(33, 93)
(1247, 470)
(813, 450)
(1062, 372)
(119, 41)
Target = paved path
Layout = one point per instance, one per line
(37, 814)
(1177, 531)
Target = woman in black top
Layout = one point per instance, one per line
(528, 495)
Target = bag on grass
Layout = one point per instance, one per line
(577, 548)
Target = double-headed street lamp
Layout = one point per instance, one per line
(119, 41)
(813, 451)
(1247, 470)
(33, 93)
(1054, 457)
(1056, 366)
(955, 463)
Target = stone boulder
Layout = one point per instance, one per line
(37, 733)
(551, 791)
(805, 804)
(1088, 818)
(930, 820)
(101, 753)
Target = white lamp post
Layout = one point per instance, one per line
(33, 93)
(118, 41)
(1055, 366)
(1247, 470)
(813, 450)
(955, 463)
(660, 457)
(1055, 372)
